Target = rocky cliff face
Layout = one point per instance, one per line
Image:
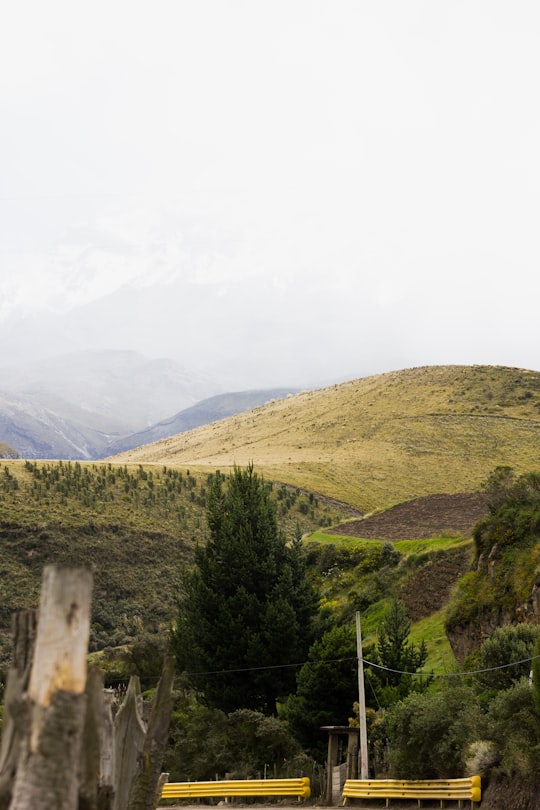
(510, 794)
(465, 637)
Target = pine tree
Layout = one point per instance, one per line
(246, 607)
(397, 656)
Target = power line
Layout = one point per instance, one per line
(367, 663)
(341, 661)
(273, 666)
(452, 674)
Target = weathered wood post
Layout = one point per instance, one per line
(96, 769)
(129, 734)
(146, 787)
(140, 745)
(47, 775)
(24, 624)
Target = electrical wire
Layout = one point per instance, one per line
(368, 663)
(452, 674)
(341, 661)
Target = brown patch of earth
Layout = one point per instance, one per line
(428, 588)
(421, 518)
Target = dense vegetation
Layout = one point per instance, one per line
(506, 566)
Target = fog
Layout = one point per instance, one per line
(272, 192)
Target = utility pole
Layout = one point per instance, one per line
(363, 753)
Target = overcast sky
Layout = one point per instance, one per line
(285, 188)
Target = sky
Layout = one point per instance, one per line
(288, 190)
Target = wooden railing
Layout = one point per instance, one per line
(228, 788)
(432, 789)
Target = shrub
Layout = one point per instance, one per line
(506, 645)
(514, 727)
(429, 733)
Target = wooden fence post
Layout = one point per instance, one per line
(47, 775)
(96, 769)
(145, 790)
(61, 748)
(23, 626)
(140, 745)
(129, 734)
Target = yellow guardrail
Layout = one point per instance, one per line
(458, 790)
(228, 788)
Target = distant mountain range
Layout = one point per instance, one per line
(87, 405)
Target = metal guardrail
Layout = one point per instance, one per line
(228, 788)
(458, 790)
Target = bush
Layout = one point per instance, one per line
(514, 727)
(506, 645)
(206, 742)
(429, 733)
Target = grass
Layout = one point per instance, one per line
(380, 440)
(410, 547)
(406, 547)
(440, 659)
(344, 541)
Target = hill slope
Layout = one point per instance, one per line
(380, 440)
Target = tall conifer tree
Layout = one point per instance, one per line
(246, 608)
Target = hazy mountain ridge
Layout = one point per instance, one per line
(35, 431)
(125, 387)
(86, 405)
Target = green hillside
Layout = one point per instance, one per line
(136, 527)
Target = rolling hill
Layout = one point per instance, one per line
(377, 441)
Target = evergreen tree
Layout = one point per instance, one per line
(327, 687)
(396, 656)
(246, 607)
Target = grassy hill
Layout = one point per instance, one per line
(377, 441)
